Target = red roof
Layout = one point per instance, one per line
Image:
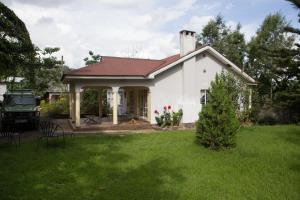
(118, 66)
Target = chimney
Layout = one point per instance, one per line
(187, 41)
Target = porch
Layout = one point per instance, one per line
(107, 125)
(128, 108)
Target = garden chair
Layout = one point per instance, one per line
(49, 129)
(91, 119)
(11, 135)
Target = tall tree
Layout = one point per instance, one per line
(92, 58)
(48, 73)
(16, 50)
(218, 123)
(228, 41)
(269, 70)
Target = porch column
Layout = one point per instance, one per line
(71, 101)
(77, 107)
(100, 102)
(115, 91)
(149, 105)
(137, 110)
(70, 105)
(73, 106)
(250, 98)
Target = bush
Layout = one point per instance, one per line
(90, 102)
(55, 109)
(218, 123)
(267, 116)
(176, 117)
(167, 118)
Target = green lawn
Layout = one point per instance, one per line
(168, 165)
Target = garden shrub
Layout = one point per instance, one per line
(176, 117)
(218, 123)
(90, 102)
(57, 108)
(168, 118)
(267, 116)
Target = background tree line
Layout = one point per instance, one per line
(41, 69)
(271, 57)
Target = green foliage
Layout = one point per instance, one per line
(47, 75)
(90, 102)
(218, 124)
(92, 58)
(267, 116)
(228, 41)
(16, 52)
(176, 117)
(57, 108)
(168, 118)
(274, 62)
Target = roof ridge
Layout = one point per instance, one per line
(131, 58)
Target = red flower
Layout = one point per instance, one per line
(165, 107)
(169, 107)
(156, 112)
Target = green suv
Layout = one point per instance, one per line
(20, 106)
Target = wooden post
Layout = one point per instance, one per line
(77, 108)
(115, 91)
(137, 103)
(149, 105)
(100, 103)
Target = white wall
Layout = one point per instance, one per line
(167, 90)
(180, 86)
(3, 89)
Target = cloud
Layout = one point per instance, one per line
(78, 28)
(249, 30)
(147, 28)
(122, 3)
(212, 6)
(45, 20)
(42, 3)
(229, 6)
(196, 23)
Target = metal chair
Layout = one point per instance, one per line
(49, 130)
(11, 135)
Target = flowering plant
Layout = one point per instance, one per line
(168, 118)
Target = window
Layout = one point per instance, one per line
(203, 96)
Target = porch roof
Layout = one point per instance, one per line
(118, 66)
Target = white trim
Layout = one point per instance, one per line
(211, 50)
(72, 77)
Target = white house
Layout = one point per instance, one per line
(181, 81)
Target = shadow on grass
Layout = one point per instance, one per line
(87, 168)
(113, 174)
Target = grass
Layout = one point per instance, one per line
(168, 165)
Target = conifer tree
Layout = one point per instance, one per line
(218, 124)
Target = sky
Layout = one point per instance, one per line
(133, 28)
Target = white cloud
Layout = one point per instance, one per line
(249, 30)
(229, 6)
(147, 29)
(122, 3)
(211, 6)
(78, 28)
(196, 23)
